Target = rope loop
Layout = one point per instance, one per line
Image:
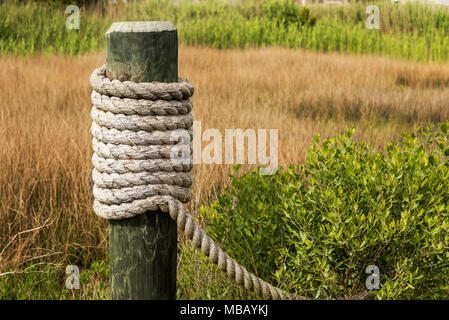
(183, 89)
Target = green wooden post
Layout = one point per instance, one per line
(143, 249)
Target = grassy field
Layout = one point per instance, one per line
(413, 30)
(47, 219)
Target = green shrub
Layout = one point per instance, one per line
(286, 13)
(313, 231)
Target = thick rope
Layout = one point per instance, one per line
(133, 167)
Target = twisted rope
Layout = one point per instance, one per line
(133, 168)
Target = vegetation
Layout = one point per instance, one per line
(412, 30)
(45, 144)
(48, 281)
(317, 212)
(315, 231)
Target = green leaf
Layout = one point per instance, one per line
(308, 243)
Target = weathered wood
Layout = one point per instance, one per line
(142, 51)
(142, 250)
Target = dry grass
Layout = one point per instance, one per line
(45, 119)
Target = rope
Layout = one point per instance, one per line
(133, 169)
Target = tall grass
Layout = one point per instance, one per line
(45, 144)
(413, 31)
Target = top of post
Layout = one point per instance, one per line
(142, 51)
(141, 26)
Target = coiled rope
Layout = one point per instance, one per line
(133, 171)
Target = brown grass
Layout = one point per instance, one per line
(45, 119)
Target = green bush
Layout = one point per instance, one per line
(313, 231)
(286, 13)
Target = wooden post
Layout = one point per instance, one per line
(143, 249)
